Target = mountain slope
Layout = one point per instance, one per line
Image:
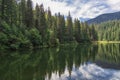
(104, 17)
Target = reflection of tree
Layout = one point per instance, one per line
(83, 53)
(109, 53)
(38, 64)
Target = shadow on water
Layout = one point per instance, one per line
(108, 56)
(41, 64)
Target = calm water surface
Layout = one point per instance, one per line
(72, 62)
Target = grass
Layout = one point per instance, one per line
(106, 42)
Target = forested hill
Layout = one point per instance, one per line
(105, 17)
(109, 31)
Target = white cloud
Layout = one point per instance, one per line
(114, 4)
(81, 8)
(87, 72)
(56, 7)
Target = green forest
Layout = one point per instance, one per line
(109, 31)
(23, 26)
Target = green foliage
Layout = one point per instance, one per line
(8, 11)
(61, 28)
(13, 38)
(24, 41)
(22, 11)
(53, 41)
(29, 14)
(109, 31)
(69, 28)
(23, 27)
(77, 30)
(84, 32)
(35, 37)
(3, 38)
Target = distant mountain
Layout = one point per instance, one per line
(104, 18)
(83, 19)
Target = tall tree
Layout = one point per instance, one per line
(23, 15)
(93, 33)
(29, 14)
(77, 30)
(0, 9)
(43, 26)
(60, 28)
(49, 19)
(52, 24)
(37, 16)
(70, 27)
(8, 11)
(85, 32)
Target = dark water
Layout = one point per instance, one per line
(72, 62)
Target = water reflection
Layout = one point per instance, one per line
(59, 63)
(108, 56)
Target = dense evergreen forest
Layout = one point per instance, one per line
(109, 31)
(23, 26)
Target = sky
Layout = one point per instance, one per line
(82, 9)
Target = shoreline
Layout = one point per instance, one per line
(106, 42)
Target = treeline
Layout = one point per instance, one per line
(109, 31)
(22, 26)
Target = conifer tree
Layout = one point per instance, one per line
(85, 32)
(42, 24)
(93, 33)
(8, 11)
(49, 19)
(77, 30)
(69, 27)
(51, 25)
(37, 16)
(23, 13)
(60, 28)
(29, 14)
(0, 9)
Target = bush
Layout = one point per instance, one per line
(35, 38)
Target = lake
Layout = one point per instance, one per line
(69, 62)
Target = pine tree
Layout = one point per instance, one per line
(29, 14)
(8, 11)
(52, 27)
(69, 27)
(43, 26)
(85, 32)
(93, 34)
(77, 30)
(60, 28)
(37, 16)
(0, 9)
(49, 19)
(22, 13)
(14, 14)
